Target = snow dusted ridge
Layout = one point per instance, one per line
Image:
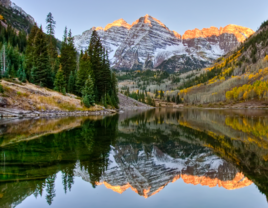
(147, 174)
(148, 42)
(16, 9)
(22, 12)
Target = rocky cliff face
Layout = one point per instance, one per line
(16, 16)
(5, 3)
(148, 42)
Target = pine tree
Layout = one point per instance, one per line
(83, 72)
(88, 93)
(114, 88)
(60, 81)
(52, 48)
(51, 24)
(68, 54)
(29, 54)
(3, 59)
(96, 55)
(161, 94)
(168, 98)
(42, 70)
(93, 42)
(156, 93)
(71, 83)
(178, 100)
(99, 70)
(106, 74)
(173, 99)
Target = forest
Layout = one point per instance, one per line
(39, 58)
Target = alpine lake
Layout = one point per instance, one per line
(157, 158)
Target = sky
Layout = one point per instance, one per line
(81, 15)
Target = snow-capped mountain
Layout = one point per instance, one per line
(147, 174)
(148, 42)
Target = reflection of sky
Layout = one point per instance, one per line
(176, 194)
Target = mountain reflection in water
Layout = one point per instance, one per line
(141, 151)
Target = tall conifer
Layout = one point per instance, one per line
(88, 92)
(83, 72)
(29, 54)
(68, 54)
(60, 83)
(71, 83)
(41, 60)
(52, 44)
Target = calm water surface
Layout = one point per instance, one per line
(157, 158)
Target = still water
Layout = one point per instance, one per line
(157, 158)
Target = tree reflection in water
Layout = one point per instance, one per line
(147, 142)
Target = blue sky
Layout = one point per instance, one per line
(81, 15)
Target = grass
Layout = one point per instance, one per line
(32, 97)
(56, 102)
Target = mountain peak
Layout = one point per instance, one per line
(118, 23)
(147, 19)
(241, 33)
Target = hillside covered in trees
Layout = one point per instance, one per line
(239, 76)
(38, 58)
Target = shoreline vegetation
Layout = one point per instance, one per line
(19, 99)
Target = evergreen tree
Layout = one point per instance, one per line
(93, 42)
(3, 59)
(83, 72)
(173, 99)
(178, 100)
(42, 70)
(52, 48)
(60, 81)
(21, 75)
(71, 83)
(29, 54)
(161, 94)
(51, 193)
(156, 93)
(88, 93)
(68, 54)
(51, 24)
(168, 98)
(114, 89)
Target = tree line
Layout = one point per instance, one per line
(37, 58)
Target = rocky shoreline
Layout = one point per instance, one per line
(8, 112)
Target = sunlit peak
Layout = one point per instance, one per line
(118, 23)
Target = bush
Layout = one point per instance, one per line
(86, 101)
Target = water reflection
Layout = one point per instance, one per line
(141, 151)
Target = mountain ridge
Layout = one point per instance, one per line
(16, 16)
(149, 40)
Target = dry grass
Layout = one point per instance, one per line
(31, 97)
